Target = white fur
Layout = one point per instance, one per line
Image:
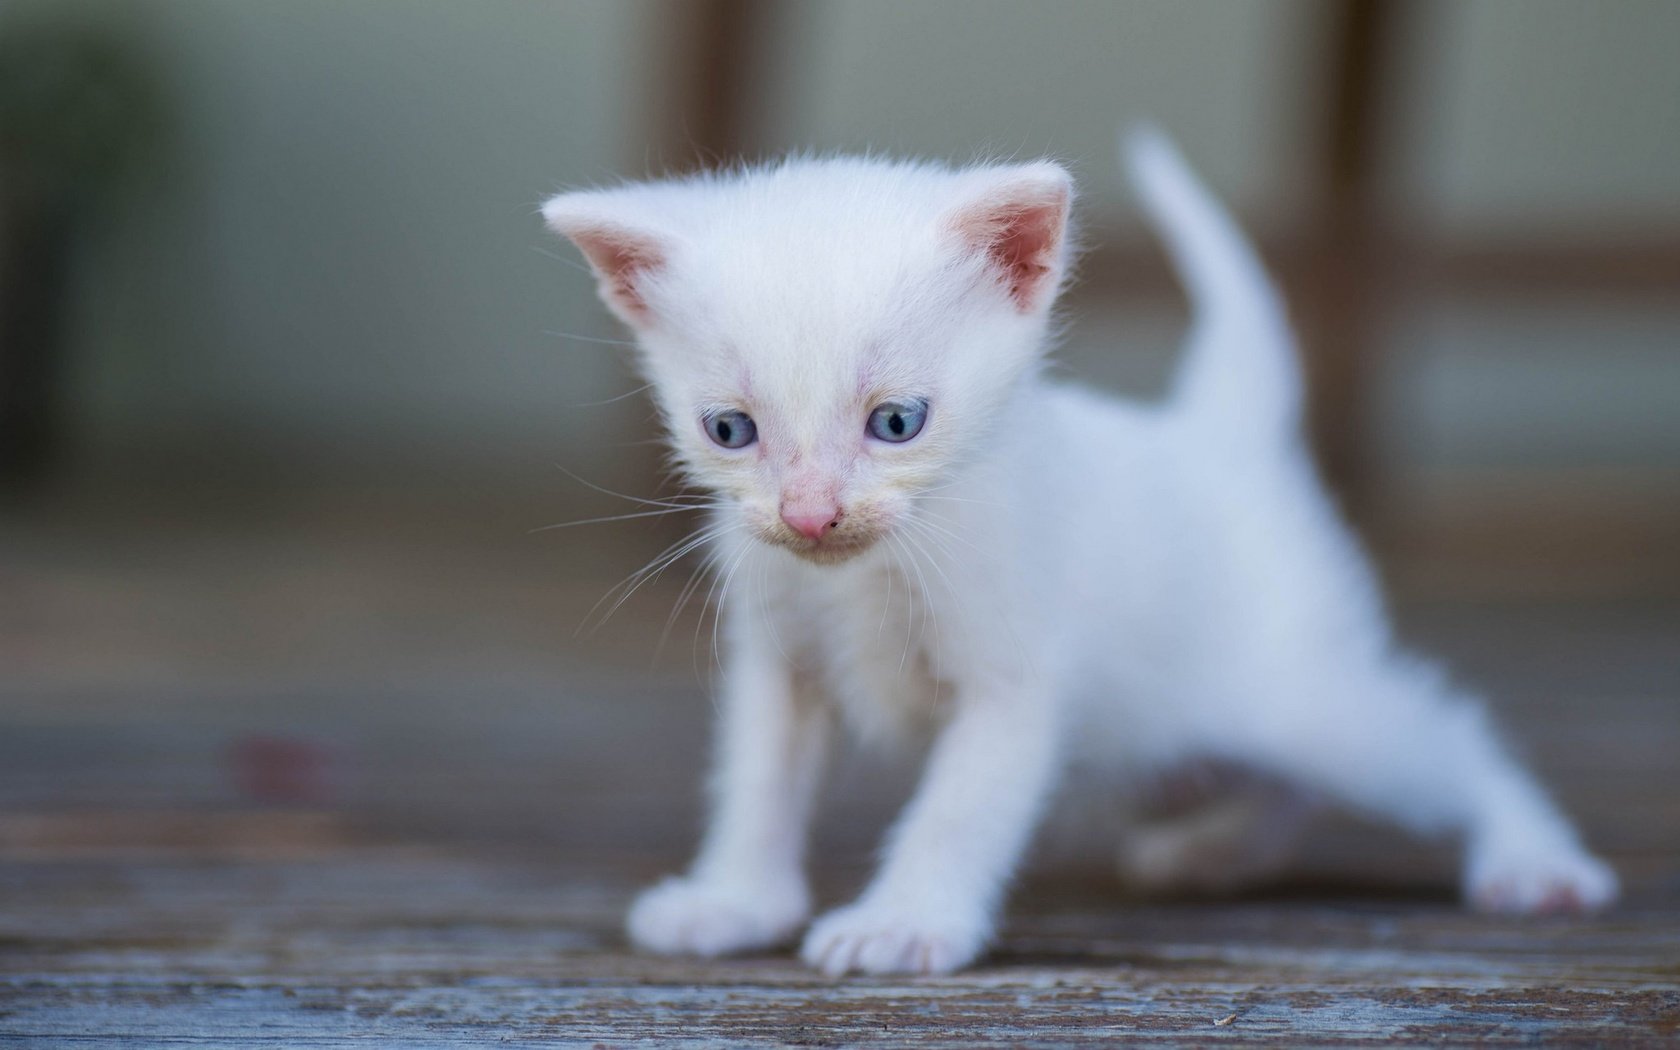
(1045, 578)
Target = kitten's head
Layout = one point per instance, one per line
(827, 339)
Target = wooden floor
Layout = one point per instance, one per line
(314, 795)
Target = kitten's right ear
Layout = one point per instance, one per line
(623, 256)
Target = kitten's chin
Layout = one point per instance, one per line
(831, 550)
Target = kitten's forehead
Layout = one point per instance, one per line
(809, 276)
(826, 240)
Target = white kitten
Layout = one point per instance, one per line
(847, 352)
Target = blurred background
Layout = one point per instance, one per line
(290, 371)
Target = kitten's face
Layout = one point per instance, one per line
(821, 434)
(830, 340)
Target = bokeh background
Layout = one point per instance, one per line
(290, 370)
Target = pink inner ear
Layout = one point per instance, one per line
(620, 259)
(1023, 239)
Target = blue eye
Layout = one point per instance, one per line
(898, 421)
(731, 429)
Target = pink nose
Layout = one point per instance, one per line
(811, 521)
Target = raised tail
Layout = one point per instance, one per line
(1240, 372)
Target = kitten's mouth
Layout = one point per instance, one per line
(829, 550)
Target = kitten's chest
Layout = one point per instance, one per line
(872, 641)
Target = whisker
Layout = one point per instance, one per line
(921, 582)
(955, 499)
(706, 607)
(931, 607)
(573, 263)
(602, 340)
(692, 586)
(886, 607)
(617, 517)
(689, 586)
(716, 610)
(909, 603)
(656, 565)
(765, 617)
(941, 488)
(610, 400)
(670, 501)
(941, 548)
(933, 530)
(996, 605)
(653, 571)
(723, 598)
(946, 527)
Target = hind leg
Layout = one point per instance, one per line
(1398, 742)
(1238, 838)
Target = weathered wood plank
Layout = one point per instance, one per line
(383, 946)
(466, 843)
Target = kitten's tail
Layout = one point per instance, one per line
(1240, 369)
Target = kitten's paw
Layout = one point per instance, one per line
(1535, 882)
(686, 916)
(870, 938)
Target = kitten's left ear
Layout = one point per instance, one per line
(1018, 216)
(624, 256)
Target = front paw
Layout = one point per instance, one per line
(688, 916)
(1529, 882)
(873, 938)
